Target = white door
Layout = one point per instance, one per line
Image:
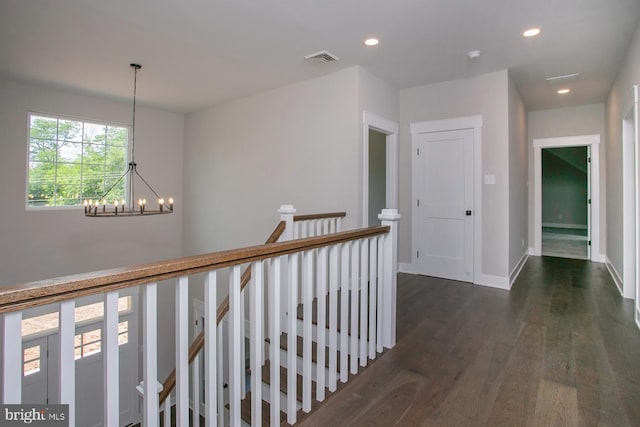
(40, 371)
(444, 180)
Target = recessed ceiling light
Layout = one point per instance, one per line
(474, 54)
(531, 32)
(371, 42)
(563, 91)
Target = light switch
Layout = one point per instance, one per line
(489, 179)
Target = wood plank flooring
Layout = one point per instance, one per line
(560, 349)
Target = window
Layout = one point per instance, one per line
(31, 360)
(72, 160)
(86, 313)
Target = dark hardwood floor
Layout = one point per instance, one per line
(560, 349)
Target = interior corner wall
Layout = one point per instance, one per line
(570, 121)
(243, 159)
(620, 92)
(518, 165)
(485, 95)
(42, 244)
(378, 97)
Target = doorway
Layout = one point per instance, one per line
(377, 175)
(592, 142)
(380, 179)
(565, 202)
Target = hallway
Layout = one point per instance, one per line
(560, 349)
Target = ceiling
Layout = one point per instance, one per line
(198, 53)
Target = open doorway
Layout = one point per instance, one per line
(565, 202)
(377, 175)
(592, 143)
(380, 167)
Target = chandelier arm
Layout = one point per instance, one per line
(146, 183)
(117, 182)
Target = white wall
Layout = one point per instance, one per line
(620, 92)
(38, 245)
(570, 121)
(296, 145)
(518, 162)
(485, 95)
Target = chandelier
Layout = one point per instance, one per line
(103, 207)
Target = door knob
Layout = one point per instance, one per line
(468, 213)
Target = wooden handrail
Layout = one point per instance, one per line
(223, 309)
(319, 216)
(23, 296)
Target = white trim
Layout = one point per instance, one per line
(518, 268)
(456, 123)
(571, 141)
(630, 236)
(406, 267)
(390, 129)
(559, 225)
(614, 275)
(491, 281)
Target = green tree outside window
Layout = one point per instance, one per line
(71, 161)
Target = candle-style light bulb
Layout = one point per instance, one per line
(115, 205)
(171, 203)
(161, 203)
(141, 206)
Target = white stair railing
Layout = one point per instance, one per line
(350, 275)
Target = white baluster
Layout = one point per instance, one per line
(379, 295)
(12, 360)
(195, 389)
(256, 340)
(354, 294)
(321, 329)
(389, 217)
(274, 348)
(220, 359)
(67, 363)
(364, 299)
(338, 224)
(111, 367)
(182, 351)
(307, 338)
(210, 350)
(243, 346)
(333, 315)
(149, 354)
(373, 295)
(332, 225)
(167, 411)
(236, 358)
(292, 339)
(344, 312)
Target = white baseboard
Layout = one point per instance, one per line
(560, 225)
(479, 279)
(491, 281)
(406, 267)
(614, 275)
(533, 252)
(518, 268)
(601, 258)
(638, 317)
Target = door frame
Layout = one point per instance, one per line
(444, 125)
(630, 202)
(592, 141)
(390, 129)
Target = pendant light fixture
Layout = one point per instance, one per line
(103, 207)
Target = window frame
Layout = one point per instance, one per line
(31, 113)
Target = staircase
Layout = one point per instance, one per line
(312, 307)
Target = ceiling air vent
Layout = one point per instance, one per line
(567, 78)
(322, 57)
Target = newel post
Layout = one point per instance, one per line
(389, 217)
(286, 214)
